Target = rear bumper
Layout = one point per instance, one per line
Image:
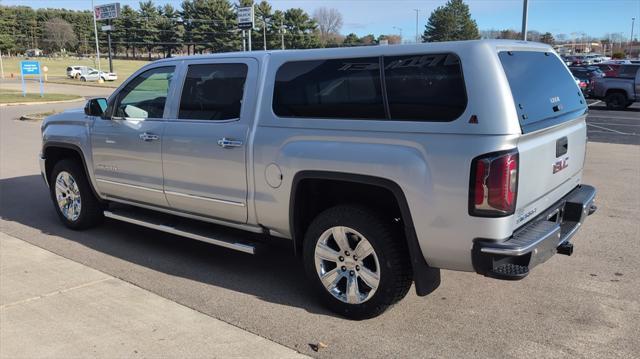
(538, 240)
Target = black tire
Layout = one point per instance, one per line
(616, 101)
(391, 249)
(91, 210)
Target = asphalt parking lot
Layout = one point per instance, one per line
(613, 126)
(586, 305)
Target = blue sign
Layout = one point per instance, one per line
(30, 67)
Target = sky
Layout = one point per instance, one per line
(594, 18)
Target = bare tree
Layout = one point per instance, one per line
(59, 34)
(329, 23)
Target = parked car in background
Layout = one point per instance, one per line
(586, 74)
(576, 61)
(621, 91)
(583, 85)
(96, 75)
(380, 164)
(609, 70)
(75, 71)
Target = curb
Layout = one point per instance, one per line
(81, 84)
(41, 102)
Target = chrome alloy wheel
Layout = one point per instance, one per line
(68, 196)
(347, 265)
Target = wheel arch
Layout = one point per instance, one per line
(426, 278)
(53, 152)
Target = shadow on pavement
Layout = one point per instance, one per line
(274, 274)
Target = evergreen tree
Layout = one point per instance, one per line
(149, 17)
(301, 30)
(547, 38)
(352, 40)
(451, 22)
(169, 29)
(125, 30)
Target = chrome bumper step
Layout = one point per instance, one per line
(204, 232)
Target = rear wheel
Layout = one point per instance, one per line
(616, 101)
(77, 76)
(356, 261)
(75, 203)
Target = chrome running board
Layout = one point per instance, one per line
(199, 231)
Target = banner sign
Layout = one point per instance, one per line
(106, 12)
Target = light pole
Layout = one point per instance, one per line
(633, 20)
(525, 15)
(417, 12)
(399, 29)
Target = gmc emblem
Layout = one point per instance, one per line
(560, 165)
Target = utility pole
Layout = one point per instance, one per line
(264, 33)
(244, 40)
(633, 20)
(95, 30)
(109, 44)
(282, 33)
(525, 15)
(417, 12)
(1, 66)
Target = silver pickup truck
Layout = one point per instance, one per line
(381, 165)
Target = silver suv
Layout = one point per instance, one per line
(382, 165)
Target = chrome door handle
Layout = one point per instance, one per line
(148, 137)
(226, 143)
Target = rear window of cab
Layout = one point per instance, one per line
(419, 87)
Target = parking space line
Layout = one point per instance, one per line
(594, 103)
(614, 124)
(607, 117)
(608, 129)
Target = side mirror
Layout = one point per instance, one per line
(95, 107)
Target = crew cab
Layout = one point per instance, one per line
(620, 91)
(381, 165)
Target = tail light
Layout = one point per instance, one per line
(493, 186)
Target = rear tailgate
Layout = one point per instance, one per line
(552, 112)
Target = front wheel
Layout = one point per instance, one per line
(356, 261)
(83, 79)
(75, 203)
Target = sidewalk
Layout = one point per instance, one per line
(53, 307)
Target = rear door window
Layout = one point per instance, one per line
(336, 88)
(541, 86)
(213, 92)
(425, 87)
(628, 71)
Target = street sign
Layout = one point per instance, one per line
(245, 17)
(30, 68)
(107, 12)
(107, 27)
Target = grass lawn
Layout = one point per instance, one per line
(16, 97)
(58, 68)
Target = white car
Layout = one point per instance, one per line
(75, 71)
(95, 75)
